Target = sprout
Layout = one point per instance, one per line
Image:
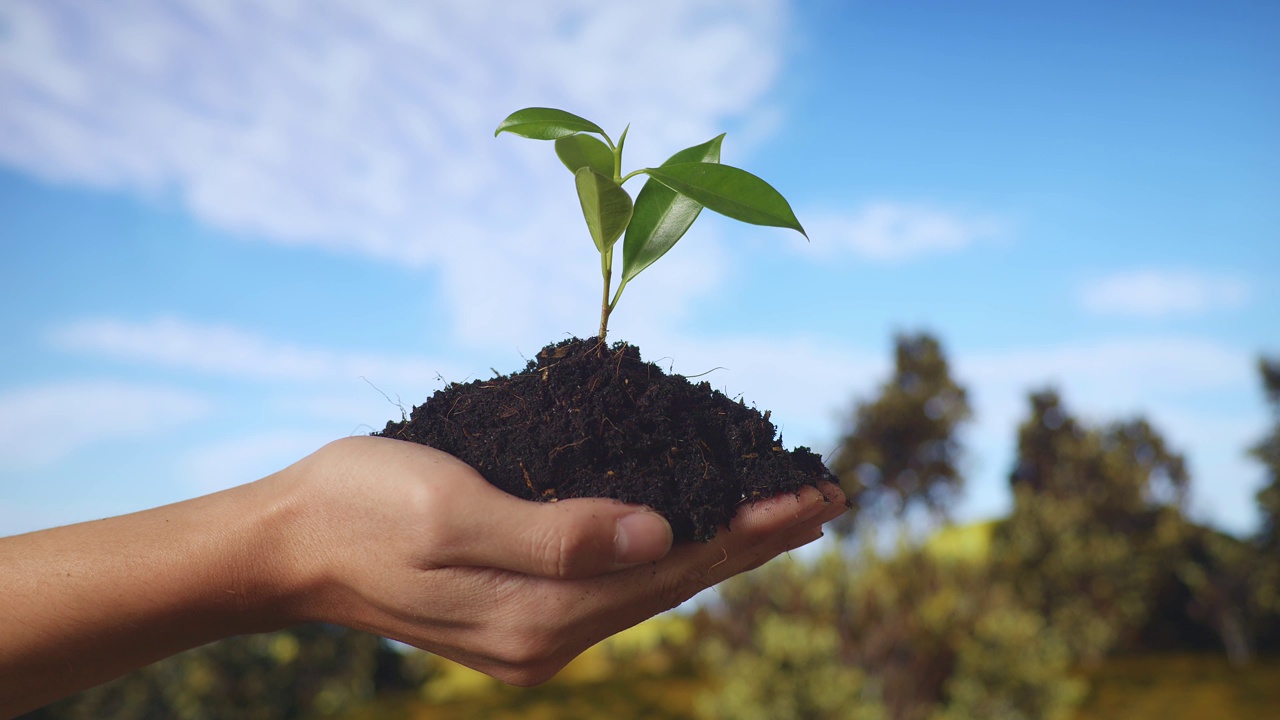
(667, 205)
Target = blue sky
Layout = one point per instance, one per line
(232, 233)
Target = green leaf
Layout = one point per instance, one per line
(545, 124)
(579, 151)
(622, 139)
(729, 191)
(662, 216)
(605, 206)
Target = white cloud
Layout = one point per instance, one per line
(890, 231)
(41, 425)
(1161, 293)
(366, 127)
(235, 461)
(1119, 372)
(233, 352)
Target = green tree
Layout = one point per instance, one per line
(1267, 452)
(908, 637)
(1265, 575)
(308, 671)
(1096, 524)
(901, 448)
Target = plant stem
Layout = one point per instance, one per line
(606, 257)
(621, 286)
(606, 266)
(632, 174)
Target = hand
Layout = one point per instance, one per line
(375, 534)
(412, 544)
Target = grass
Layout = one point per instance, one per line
(1183, 686)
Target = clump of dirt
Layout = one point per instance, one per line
(586, 421)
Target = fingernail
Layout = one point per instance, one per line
(641, 537)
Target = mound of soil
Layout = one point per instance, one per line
(587, 421)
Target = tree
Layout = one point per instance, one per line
(907, 637)
(1097, 524)
(1267, 452)
(1265, 575)
(901, 449)
(1120, 471)
(307, 671)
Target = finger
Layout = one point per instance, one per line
(765, 526)
(574, 538)
(766, 518)
(760, 532)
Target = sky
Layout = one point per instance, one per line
(232, 231)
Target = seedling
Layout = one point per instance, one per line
(668, 203)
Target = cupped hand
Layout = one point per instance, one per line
(412, 544)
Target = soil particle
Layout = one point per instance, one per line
(587, 421)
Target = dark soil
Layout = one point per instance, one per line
(587, 421)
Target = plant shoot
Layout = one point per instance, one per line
(668, 203)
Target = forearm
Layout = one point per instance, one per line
(376, 534)
(86, 603)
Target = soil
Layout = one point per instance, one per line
(587, 421)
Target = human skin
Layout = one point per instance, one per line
(375, 534)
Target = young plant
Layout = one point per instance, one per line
(668, 203)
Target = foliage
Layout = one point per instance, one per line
(1120, 471)
(794, 673)
(1216, 574)
(668, 203)
(1010, 664)
(902, 447)
(1267, 452)
(1096, 522)
(311, 670)
(907, 637)
(644, 672)
(1266, 585)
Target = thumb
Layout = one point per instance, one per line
(575, 538)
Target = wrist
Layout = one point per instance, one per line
(278, 566)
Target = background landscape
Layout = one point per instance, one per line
(234, 231)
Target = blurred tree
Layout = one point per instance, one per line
(1267, 452)
(1217, 572)
(910, 637)
(1265, 578)
(311, 670)
(901, 448)
(1120, 471)
(1096, 524)
(1010, 664)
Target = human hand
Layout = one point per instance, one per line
(412, 544)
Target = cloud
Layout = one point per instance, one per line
(43, 424)
(366, 127)
(1162, 293)
(890, 231)
(234, 461)
(1120, 371)
(227, 351)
